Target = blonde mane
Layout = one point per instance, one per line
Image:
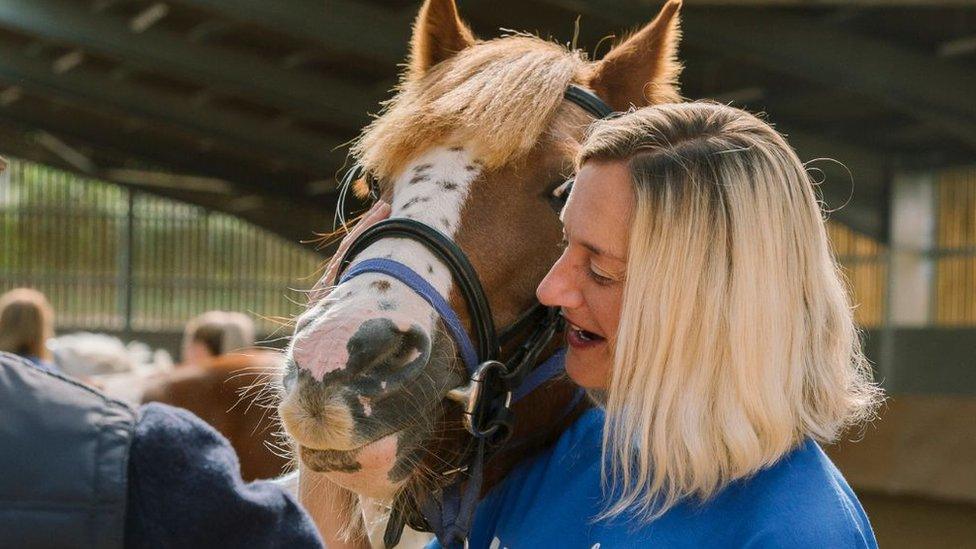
(497, 98)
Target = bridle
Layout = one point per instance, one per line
(493, 385)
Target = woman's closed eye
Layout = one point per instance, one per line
(599, 277)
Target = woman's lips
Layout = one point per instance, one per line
(579, 338)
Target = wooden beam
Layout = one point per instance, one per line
(94, 91)
(926, 87)
(158, 51)
(343, 27)
(292, 221)
(151, 151)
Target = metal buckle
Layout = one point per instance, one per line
(478, 415)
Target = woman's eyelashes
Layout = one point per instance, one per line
(599, 278)
(593, 273)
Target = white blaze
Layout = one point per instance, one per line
(432, 190)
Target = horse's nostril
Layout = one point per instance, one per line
(381, 349)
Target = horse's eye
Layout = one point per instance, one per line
(559, 195)
(374, 185)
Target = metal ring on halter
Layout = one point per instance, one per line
(480, 422)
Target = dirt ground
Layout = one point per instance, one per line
(911, 522)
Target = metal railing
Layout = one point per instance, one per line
(955, 254)
(113, 259)
(118, 260)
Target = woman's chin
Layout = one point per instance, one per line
(588, 368)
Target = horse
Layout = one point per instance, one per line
(229, 393)
(473, 144)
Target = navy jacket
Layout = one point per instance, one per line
(83, 470)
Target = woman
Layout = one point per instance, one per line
(709, 322)
(26, 324)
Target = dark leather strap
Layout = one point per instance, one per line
(588, 101)
(485, 337)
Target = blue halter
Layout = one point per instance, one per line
(422, 288)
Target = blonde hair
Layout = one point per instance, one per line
(736, 339)
(220, 331)
(26, 323)
(499, 97)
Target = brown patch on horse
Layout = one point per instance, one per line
(220, 393)
(325, 461)
(510, 235)
(643, 68)
(508, 229)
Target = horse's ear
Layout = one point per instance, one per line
(643, 69)
(438, 34)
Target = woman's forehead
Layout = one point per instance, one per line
(600, 207)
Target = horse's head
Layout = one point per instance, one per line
(473, 145)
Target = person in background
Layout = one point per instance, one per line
(215, 333)
(26, 324)
(223, 381)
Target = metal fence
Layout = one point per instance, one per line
(952, 256)
(955, 255)
(118, 260)
(109, 258)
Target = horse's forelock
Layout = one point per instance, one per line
(497, 98)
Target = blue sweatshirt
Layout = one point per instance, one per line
(802, 501)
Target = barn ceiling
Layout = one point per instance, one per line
(244, 106)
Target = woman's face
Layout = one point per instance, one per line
(587, 281)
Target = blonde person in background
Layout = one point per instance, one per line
(216, 333)
(26, 324)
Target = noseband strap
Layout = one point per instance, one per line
(430, 294)
(463, 273)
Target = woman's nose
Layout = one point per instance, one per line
(559, 287)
